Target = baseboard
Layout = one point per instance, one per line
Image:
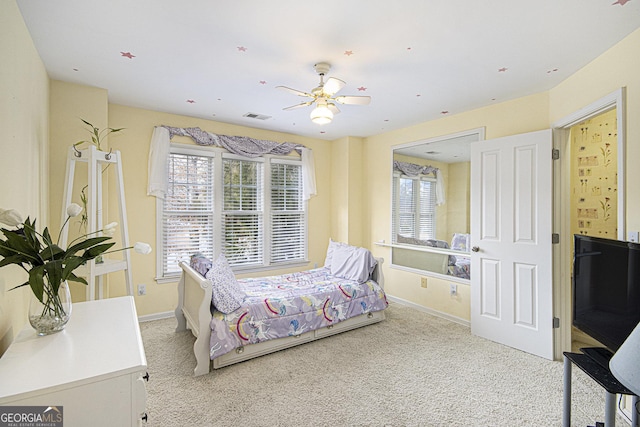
(431, 311)
(156, 316)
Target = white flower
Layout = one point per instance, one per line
(74, 210)
(110, 228)
(142, 248)
(11, 217)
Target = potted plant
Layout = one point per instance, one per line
(49, 266)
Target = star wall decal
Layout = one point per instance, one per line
(621, 2)
(362, 89)
(191, 101)
(348, 52)
(242, 49)
(502, 70)
(263, 82)
(127, 55)
(444, 112)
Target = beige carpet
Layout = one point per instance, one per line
(413, 369)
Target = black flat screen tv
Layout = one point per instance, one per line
(606, 288)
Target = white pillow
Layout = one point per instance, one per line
(352, 263)
(332, 246)
(226, 294)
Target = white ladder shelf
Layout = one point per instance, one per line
(95, 159)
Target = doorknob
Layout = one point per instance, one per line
(475, 249)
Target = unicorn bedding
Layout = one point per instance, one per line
(291, 304)
(254, 310)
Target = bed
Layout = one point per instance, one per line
(276, 312)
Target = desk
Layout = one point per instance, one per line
(94, 368)
(603, 376)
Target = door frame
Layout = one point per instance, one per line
(562, 253)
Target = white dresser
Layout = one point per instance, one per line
(95, 368)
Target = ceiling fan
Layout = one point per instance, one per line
(323, 96)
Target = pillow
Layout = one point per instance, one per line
(352, 263)
(460, 242)
(200, 263)
(226, 293)
(332, 246)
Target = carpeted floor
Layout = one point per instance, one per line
(412, 369)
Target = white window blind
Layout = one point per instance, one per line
(427, 209)
(187, 215)
(249, 209)
(242, 212)
(414, 208)
(288, 219)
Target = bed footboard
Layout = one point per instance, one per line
(194, 312)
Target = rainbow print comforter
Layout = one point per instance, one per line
(291, 304)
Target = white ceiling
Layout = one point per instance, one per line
(419, 60)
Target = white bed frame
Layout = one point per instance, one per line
(194, 312)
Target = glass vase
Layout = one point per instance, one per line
(52, 313)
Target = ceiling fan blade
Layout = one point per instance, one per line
(353, 100)
(333, 108)
(332, 86)
(295, 91)
(304, 104)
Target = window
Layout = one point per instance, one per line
(187, 219)
(414, 210)
(249, 209)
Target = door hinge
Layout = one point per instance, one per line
(555, 154)
(555, 238)
(556, 323)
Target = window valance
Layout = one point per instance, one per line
(412, 170)
(240, 145)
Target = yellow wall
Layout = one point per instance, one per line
(459, 199)
(133, 143)
(618, 67)
(346, 190)
(508, 118)
(24, 120)
(360, 217)
(69, 103)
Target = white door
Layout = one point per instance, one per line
(511, 226)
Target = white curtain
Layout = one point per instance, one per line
(440, 194)
(411, 170)
(158, 157)
(308, 174)
(161, 141)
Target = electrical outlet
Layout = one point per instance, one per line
(633, 236)
(142, 289)
(453, 289)
(423, 282)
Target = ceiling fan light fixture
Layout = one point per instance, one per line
(321, 115)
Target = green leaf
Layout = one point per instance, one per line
(52, 252)
(70, 264)
(13, 259)
(74, 278)
(19, 286)
(36, 281)
(54, 272)
(93, 252)
(86, 122)
(86, 244)
(47, 237)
